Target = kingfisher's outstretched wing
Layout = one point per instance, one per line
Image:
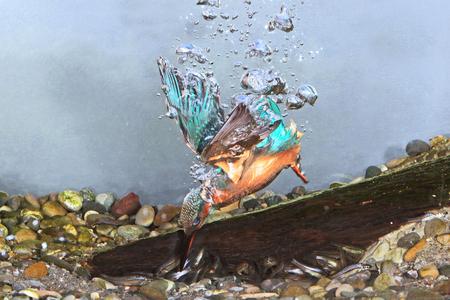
(195, 99)
(250, 124)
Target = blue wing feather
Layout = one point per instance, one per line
(195, 99)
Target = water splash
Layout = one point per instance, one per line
(188, 50)
(307, 93)
(281, 21)
(261, 81)
(259, 48)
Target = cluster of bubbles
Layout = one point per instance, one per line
(238, 28)
(189, 50)
(259, 81)
(281, 21)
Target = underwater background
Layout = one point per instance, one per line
(80, 89)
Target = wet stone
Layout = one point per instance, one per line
(372, 171)
(293, 289)
(127, 205)
(419, 293)
(25, 235)
(429, 271)
(408, 240)
(444, 239)
(273, 284)
(416, 147)
(31, 201)
(53, 208)
(166, 214)
(36, 270)
(70, 200)
(87, 194)
(434, 227)
(14, 202)
(411, 254)
(3, 230)
(344, 290)
(131, 232)
(145, 216)
(93, 206)
(443, 287)
(105, 199)
(251, 204)
(383, 282)
(445, 270)
(273, 200)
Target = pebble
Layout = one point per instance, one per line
(443, 287)
(293, 289)
(53, 208)
(411, 254)
(166, 214)
(317, 291)
(31, 201)
(105, 199)
(336, 184)
(145, 216)
(416, 147)
(380, 251)
(272, 284)
(394, 163)
(258, 296)
(408, 240)
(70, 200)
(251, 204)
(434, 227)
(298, 191)
(87, 194)
(25, 234)
(383, 281)
(343, 289)
(36, 270)
(444, 239)
(422, 294)
(93, 206)
(445, 270)
(131, 232)
(372, 171)
(273, 200)
(157, 289)
(3, 230)
(127, 205)
(429, 271)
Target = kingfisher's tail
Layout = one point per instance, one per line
(195, 99)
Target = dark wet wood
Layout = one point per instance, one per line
(356, 214)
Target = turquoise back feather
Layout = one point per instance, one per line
(282, 138)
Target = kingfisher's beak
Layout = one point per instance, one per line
(186, 248)
(300, 173)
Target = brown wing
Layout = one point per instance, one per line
(233, 144)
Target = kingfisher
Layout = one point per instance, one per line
(247, 149)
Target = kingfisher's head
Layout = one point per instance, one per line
(196, 207)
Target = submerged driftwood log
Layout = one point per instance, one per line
(355, 214)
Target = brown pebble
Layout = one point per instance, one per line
(444, 239)
(293, 289)
(429, 271)
(411, 254)
(166, 214)
(36, 270)
(395, 162)
(127, 205)
(25, 234)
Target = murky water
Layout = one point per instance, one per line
(80, 90)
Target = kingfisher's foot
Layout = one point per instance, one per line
(300, 174)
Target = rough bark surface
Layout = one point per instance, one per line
(356, 214)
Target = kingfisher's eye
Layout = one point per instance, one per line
(196, 221)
